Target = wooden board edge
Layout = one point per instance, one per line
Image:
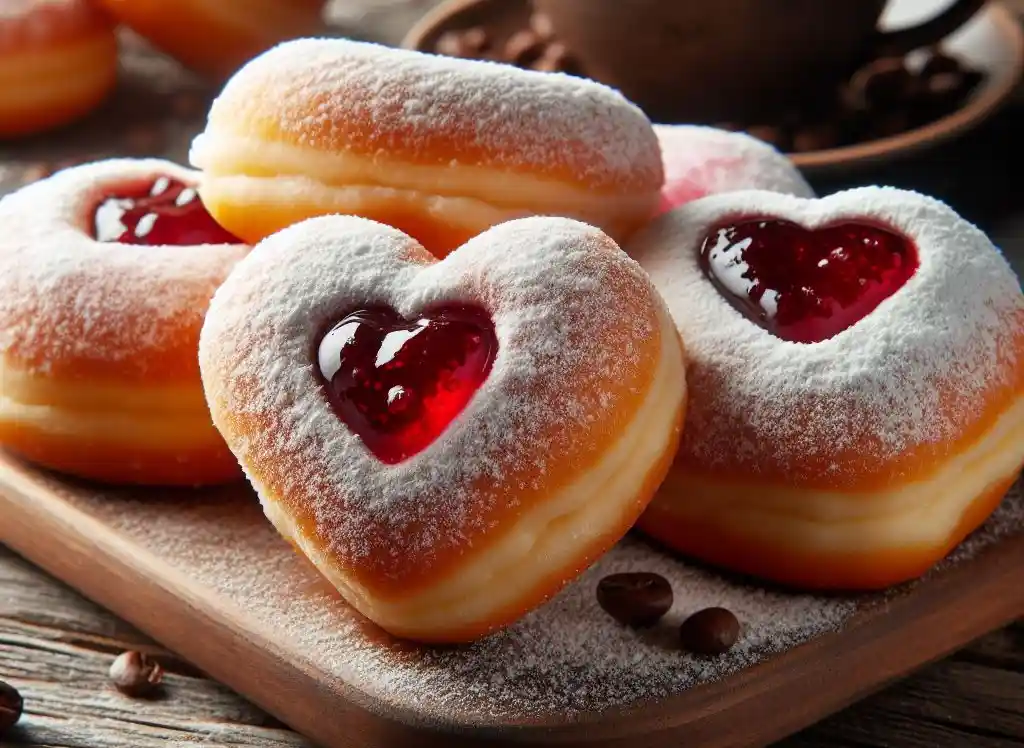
(794, 688)
(125, 579)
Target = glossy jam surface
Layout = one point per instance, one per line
(166, 212)
(398, 383)
(804, 285)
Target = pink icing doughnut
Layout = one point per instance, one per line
(701, 161)
(857, 381)
(449, 442)
(98, 338)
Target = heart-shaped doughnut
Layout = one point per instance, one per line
(701, 161)
(449, 442)
(856, 374)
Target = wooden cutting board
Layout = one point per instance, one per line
(203, 573)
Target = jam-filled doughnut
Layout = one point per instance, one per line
(217, 37)
(449, 442)
(106, 271)
(58, 61)
(701, 161)
(437, 147)
(856, 369)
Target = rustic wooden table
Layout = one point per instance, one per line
(56, 646)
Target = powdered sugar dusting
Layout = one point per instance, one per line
(431, 108)
(566, 657)
(702, 161)
(573, 316)
(910, 374)
(66, 299)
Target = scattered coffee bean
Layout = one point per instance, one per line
(11, 705)
(635, 598)
(711, 631)
(135, 674)
(542, 26)
(523, 48)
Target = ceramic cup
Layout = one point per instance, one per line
(708, 61)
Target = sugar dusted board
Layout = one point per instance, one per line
(203, 573)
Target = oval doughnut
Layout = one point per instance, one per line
(442, 522)
(437, 147)
(58, 61)
(98, 339)
(851, 460)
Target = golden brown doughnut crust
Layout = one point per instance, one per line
(405, 107)
(608, 364)
(98, 343)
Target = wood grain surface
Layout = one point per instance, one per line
(56, 647)
(205, 574)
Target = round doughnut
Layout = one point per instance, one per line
(449, 442)
(58, 61)
(701, 161)
(216, 37)
(439, 148)
(856, 368)
(100, 312)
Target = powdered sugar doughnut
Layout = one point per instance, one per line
(837, 443)
(701, 161)
(58, 61)
(216, 37)
(99, 325)
(448, 442)
(437, 147)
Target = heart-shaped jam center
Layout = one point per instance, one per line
(166, 212)
(397, 383)
(806, 285)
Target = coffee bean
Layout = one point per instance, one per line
(542, 26)
(635, 598)
(135, 674)
(476, 39)
(523, 48)
(711, 631)
(11, 705)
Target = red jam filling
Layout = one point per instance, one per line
(804, 285)
(397, 383)
(166, 212)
